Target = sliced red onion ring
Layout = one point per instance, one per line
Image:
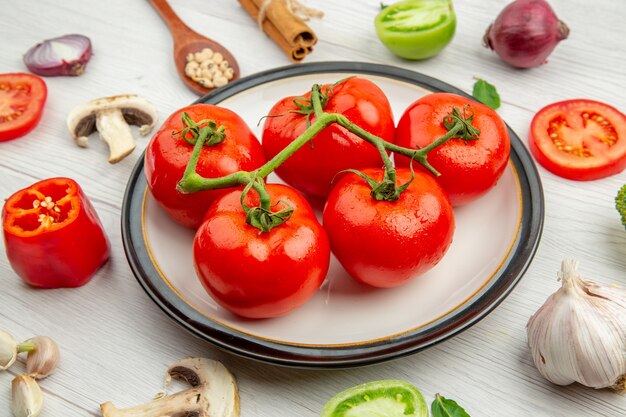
(65, 55)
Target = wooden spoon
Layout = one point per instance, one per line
(187, 41)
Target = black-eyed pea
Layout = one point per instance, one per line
(229, 73)
(200, 57)
(207, 74)
(224, 65)
(207, 65)
(217, 58)
(220, 81)
(190, 69)
(190, 57)
(215, 71)
(206, 83)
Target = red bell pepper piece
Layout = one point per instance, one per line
(52, 234)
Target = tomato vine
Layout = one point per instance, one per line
(458, 125)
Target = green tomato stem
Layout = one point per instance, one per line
(320, 123)
(422, 154)
(186, 183)
(458, 126)
(193, 182)
(264, 197)
(316, 100)
(381, 145)
(389, 168)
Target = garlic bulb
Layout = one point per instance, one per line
(8, 350)
(579, 334)
(43, 359)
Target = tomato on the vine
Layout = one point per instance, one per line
(579, 139)
(312, 168)
(22, 97)
(168, 153)
(387, 243)
(261, 274)
(469, 168)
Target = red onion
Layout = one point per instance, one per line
(525, 33)
(65, 55)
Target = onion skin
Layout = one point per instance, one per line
(41, 60)
(525, 33)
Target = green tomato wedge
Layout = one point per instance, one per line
(385, 398)
(416, 29)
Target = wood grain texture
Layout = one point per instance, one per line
(116, 344)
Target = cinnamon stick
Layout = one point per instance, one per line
(288, 31)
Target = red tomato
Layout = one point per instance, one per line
(167, 155)
(387, 243)
(468, 168)
(312, 168)
(579, 139)
(22, 97)
(261, 275)
(52, 234)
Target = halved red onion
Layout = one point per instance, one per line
(65, 55)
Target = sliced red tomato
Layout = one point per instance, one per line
(22, 97)
(579, 139)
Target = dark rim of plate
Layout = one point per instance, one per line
(274, 352)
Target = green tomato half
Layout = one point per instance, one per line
(416, 29)
(384, 398)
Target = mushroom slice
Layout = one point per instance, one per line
(111, 117)
(213, 393)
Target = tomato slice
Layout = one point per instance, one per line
(416, 29)
(390, 398)
(579, 139)
(22, 97)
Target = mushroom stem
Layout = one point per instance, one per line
(116, 133)
(213, 393)
(190, 402)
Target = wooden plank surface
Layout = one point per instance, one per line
(116, 343)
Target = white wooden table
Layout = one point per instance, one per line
(116, 343)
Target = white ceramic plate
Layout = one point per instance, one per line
(346, 323)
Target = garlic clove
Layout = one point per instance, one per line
(26, 399)
(43, 360)
(579, 334)
(8, 350)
